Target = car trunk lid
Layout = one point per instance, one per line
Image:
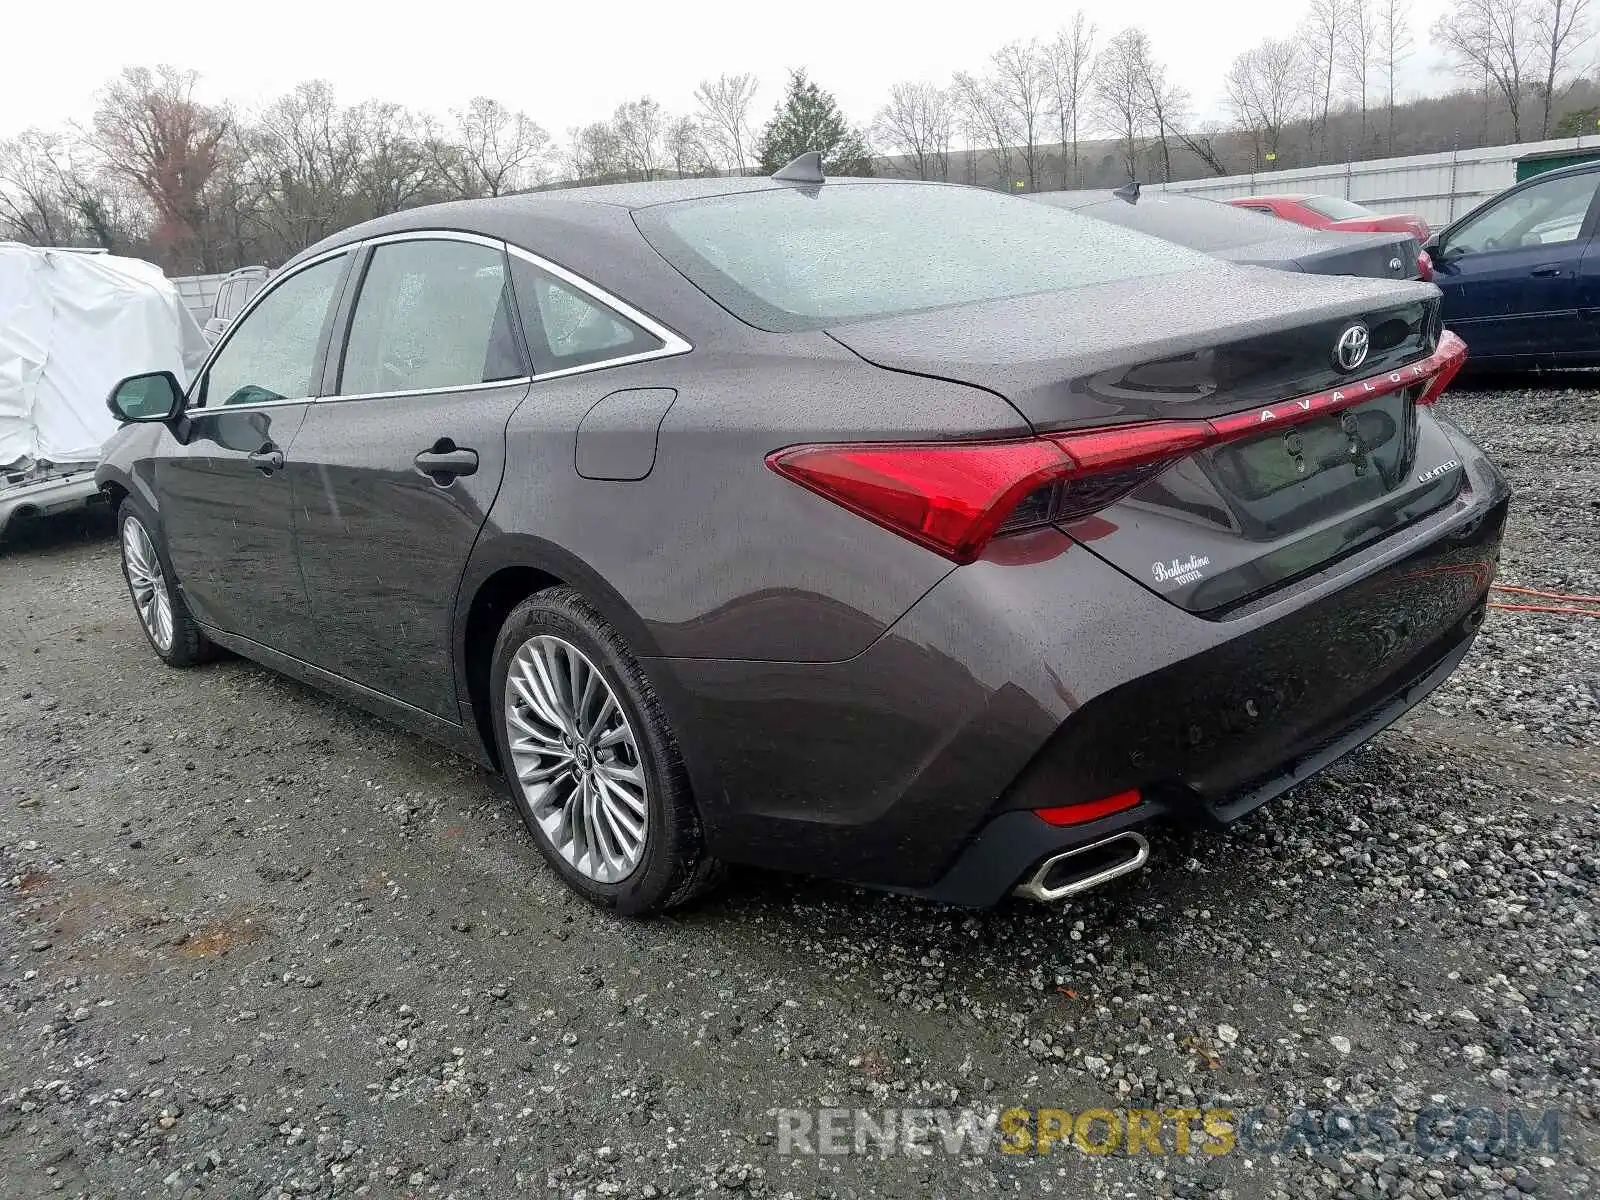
(1374, 255)
(1249, 511)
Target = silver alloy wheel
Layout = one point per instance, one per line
(147, 583)
(575, 758)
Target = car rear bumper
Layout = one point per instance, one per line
(1014, 842)
(1040, 676)
(48, 495)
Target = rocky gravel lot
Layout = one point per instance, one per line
(254, 943)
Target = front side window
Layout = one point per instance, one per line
(1545, 214)
(431, 314)
(272, 352)
(789, 259)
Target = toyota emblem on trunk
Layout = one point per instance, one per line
(1350, 351)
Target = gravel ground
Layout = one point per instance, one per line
(254, 943)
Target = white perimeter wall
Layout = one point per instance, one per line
(1437, 187)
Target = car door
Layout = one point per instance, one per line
(394, 470)
(225, 506)
(1510, 272)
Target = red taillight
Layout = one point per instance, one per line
(1452, 356)
(1091, 810)
(1424, 266)
(949, 497)
(953, 497)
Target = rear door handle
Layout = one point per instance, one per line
(267, 459)
(1546, 272)
(445, 461)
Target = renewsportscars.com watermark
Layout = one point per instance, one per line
(1434, 1132)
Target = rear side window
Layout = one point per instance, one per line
(431, 314)
(790, 259)
(567, 328)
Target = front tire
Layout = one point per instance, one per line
(591, 761)
(157, 603)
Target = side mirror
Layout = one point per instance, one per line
(156, 396)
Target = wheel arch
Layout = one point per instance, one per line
(501, 574)
(119, 484)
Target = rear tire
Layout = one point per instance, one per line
(157, 603)
(591, 762)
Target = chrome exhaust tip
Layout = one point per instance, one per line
(1084, 867)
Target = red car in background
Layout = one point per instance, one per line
(1330, 212)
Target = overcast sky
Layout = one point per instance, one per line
(569, 63)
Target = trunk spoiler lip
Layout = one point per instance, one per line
(1436, 371)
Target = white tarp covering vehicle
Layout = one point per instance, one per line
(71, 325)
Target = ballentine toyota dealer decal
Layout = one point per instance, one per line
(1185, 570)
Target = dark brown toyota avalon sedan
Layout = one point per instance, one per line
(902, 533)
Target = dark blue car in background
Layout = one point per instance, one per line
(1521, 274)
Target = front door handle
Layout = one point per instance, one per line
(445, 461)
(1545, 272)
(267, 459)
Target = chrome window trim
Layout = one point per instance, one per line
(436, 235)
(672, 343)
(418, 235)
(334, 398)
(233, 325)
(194, 414)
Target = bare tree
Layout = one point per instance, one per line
(724, 111)
(35, 206)
(1358, 44)
(1394, 47)
(985, 121)
(394, 169)
(152, 132)
(1322, 31)
(1018, 81)
(594, 152)
(1165, 104)
(1067, 68)
(1201, 141)
(492, 150)
(686, 148)
(917, 123)
(1265, 87)
(641, 127)
(1489, 39)
(1121, 96)
(112, 212)
(1561, 27)
(306, 158)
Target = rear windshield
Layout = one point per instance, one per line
(1191, 221)
(1334, 208)
(790, 259)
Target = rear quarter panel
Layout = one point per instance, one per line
(713, 554)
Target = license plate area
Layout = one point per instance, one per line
(1357, 453)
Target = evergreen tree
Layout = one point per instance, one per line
(808, 118)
